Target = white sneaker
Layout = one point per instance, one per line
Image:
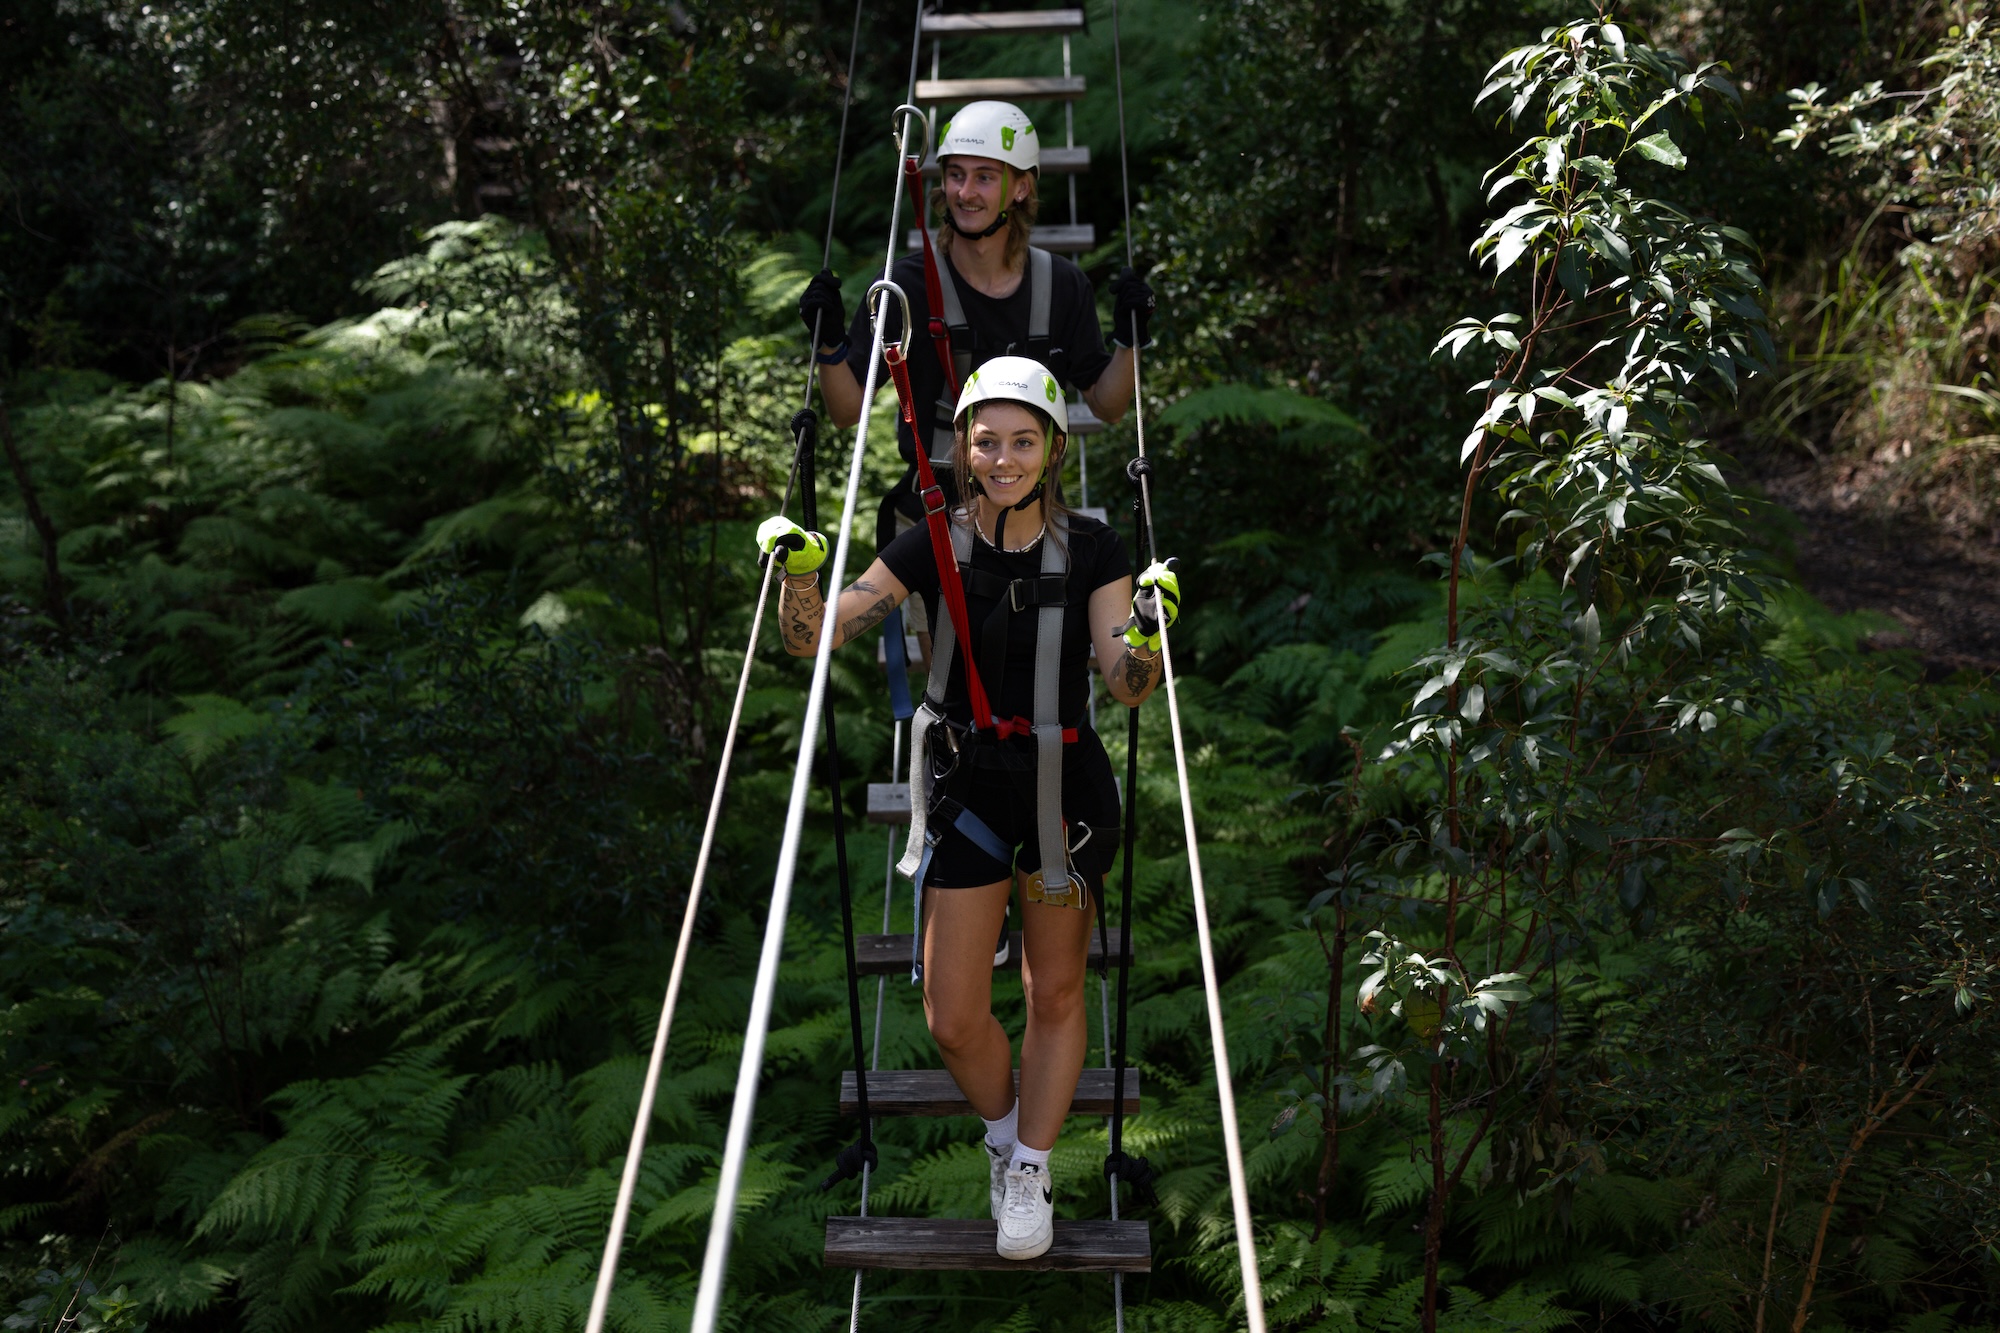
(997, 1160)
(1027, 1218)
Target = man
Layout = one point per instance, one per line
(1001, 297)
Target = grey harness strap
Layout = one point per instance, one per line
(944, 645)
(1047, 721)
(1049, 734)
(1041, 285)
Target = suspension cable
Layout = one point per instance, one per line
(1239, 1187)
(628, 1180)
(736, 1145)
(894, 626)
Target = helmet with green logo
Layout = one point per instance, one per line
(1014, 379)
(999, 130)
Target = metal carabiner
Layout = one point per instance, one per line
(931, 749)
(899, 119)
(903, 297)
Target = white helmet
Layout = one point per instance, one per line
(999, 130)
(1014, 379)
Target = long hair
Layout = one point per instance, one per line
(1054, 507)
(1020, 217)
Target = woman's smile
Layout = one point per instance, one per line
(1008, 450)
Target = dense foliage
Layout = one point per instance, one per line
(389, 394)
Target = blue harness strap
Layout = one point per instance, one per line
(896, 654)
(981, 836)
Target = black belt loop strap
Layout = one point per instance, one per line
(861, 1152)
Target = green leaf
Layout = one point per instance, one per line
(212, 723)
(1258, 406)
(1661, 148)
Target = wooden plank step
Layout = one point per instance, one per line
(1013, 22)
(931, 1092)
(954, 1244)
(1058, 238)
(1024, 88)
(888, 955)
(1055, 162)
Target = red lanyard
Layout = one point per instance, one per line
(933, 295)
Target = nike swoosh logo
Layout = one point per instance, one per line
(1048, 1196)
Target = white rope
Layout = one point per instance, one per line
(1232, 1144)
(736, 1145)
(628, 1182)
(1239, 1189)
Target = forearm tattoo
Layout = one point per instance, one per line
(799, 618)
(876, 611)
(1135, 671)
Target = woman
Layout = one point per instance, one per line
(1010, 434)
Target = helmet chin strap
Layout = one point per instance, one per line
(1006, 190)
(1041, 485)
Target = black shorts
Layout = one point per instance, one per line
(1004, 799)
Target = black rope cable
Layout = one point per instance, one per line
(853, 1157)
(1140, 470)
(848, 1164)
(799, 441)
(1117, 1166)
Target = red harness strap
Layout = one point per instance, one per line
(933, 293)
(950, 585)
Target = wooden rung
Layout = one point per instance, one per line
(964, 1244)
(1029, 88)
(931, 1092)
(1062, 239)
(887, 955)
(1013, 22)
(1055, 162)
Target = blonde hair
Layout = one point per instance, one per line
(1054, 507)
(1020, 217)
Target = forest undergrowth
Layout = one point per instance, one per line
(1607, 926)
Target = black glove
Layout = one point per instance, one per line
(1133, 301)
(821, 302)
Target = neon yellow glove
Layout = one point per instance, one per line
(1157, 602)
(804, 551)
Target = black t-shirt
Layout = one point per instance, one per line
(1076, 355)
(1096, 557)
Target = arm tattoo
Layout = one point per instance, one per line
(853, 627)
(799, 623)
(1138, 672)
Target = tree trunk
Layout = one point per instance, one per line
(1877, 1116)
(31, 501)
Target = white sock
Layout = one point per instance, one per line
(1026, 1156)
(1004, 1132)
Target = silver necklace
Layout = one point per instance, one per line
(1033, 541)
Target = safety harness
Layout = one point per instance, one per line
(938, 746)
